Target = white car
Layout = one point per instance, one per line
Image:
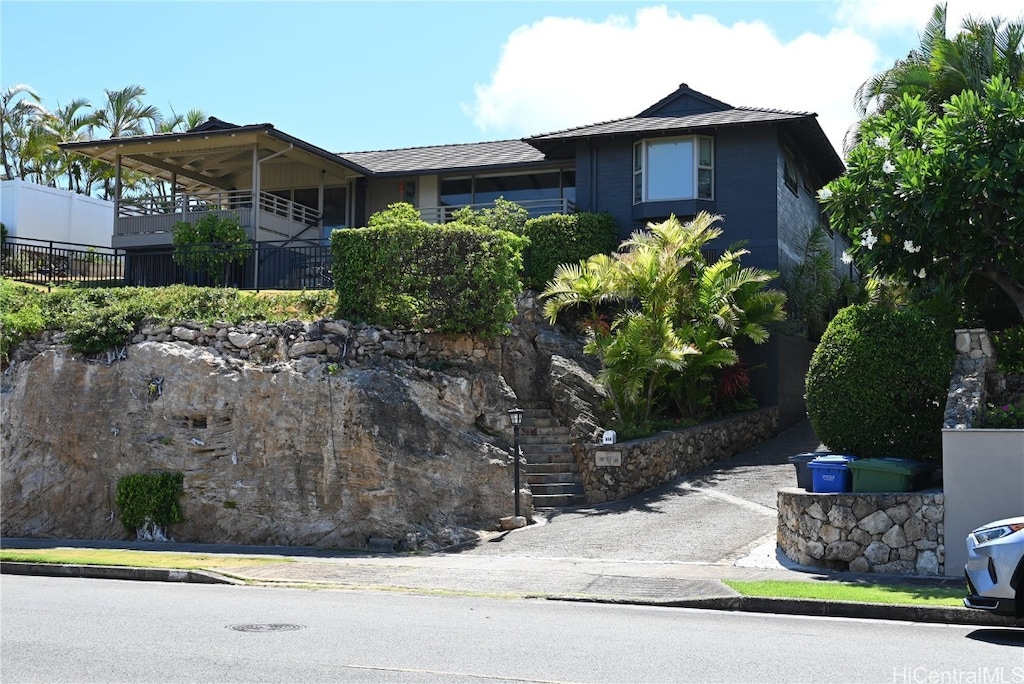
(995, 567)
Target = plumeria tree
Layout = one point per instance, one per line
(930, 198)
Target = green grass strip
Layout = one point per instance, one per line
(851, 591)
(138, 559)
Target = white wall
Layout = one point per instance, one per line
(36, 211)
(983, 481)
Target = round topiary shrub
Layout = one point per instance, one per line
(877, 383)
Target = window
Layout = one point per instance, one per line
(541, 188)
(789, 171)
(673, 169)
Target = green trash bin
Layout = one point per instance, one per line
(889, 475)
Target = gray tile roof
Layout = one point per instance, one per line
(651, 124)
(447, 158)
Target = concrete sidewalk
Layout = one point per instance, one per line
(671, 546)
(667, 584)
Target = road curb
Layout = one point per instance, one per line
(121, 572)
(848, 609)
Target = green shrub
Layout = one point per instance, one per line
(21, 314)
(97, 319)
(877, 383)
(565, 239)
(1009, 416)
(1009, 348)
(454, 278)
(149, 500)
(211, 245)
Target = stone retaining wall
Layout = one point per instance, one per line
(613, 472)
(325, 341)
(880, 533)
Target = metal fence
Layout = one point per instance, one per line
(285, 265)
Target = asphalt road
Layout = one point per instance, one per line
(710, 516)
(62, 630)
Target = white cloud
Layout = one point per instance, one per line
(912, 15)
(562, 72)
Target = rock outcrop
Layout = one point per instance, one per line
(297, 452)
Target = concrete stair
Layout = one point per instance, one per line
(550, 469)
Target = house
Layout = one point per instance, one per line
(758, 168)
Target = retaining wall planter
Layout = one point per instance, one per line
(879, 533)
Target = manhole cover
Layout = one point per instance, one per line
(266, 627)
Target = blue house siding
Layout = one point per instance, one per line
(604, 179)
(799, 212)
(745, 192)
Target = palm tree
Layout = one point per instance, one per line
(677, 316)
(124, 114)
(940, 67)
(73, 123)
(20, 112)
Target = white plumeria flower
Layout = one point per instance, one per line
(869, 239)
(824, 194)
(920, 274)
(888, 166)
(882, 142)
(847, 258)
(911, 247)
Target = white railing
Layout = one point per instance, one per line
(534, 208)
(194, 202)
(158, 214)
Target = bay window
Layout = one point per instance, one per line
(673, 169)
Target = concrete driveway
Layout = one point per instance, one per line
(715, 515)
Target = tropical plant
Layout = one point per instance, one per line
(211, 245)
(941, 67)
(662, 320)
(812, 287)
(26, 133)
(124, 114)
(73, 123)
(929, 198)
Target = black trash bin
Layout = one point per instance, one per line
(804, 475)
(804, 479)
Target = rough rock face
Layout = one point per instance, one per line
(294, 454)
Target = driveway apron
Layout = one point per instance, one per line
(714, 515)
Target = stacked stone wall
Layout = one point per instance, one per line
(870, 533)
(652, 461)
(319, 342)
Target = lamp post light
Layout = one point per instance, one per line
(515, 416)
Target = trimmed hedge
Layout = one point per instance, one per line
(565, 239)
(452, 278)
(877, 383)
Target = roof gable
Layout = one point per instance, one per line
(213, 124)
(683, 102)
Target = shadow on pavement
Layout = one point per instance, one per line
(1001, 637)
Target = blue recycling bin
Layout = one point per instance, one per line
(831, 474)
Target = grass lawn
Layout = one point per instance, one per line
(138, 559)
(849, 591)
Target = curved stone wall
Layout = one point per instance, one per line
(880, 533)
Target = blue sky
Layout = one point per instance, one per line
(351, 76)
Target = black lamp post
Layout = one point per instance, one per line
(515, 416)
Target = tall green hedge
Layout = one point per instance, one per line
(558, 239)
(877, 383)
(452, 278)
